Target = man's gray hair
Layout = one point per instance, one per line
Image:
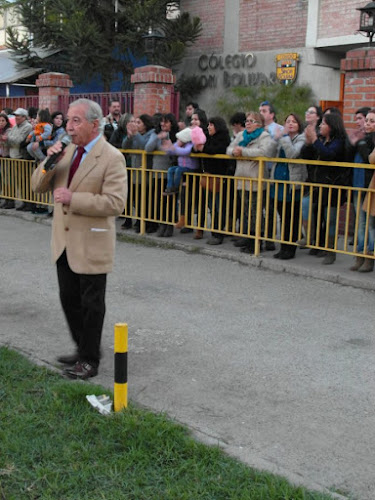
(93, 111)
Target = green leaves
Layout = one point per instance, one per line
(97, 37)
(285, 99)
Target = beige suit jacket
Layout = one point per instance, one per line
(86, 228)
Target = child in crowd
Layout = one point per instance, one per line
(41, 133)
(186, 139)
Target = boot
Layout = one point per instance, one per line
(169, 231)
(181, 222)
(161, 230)
(331, 256)
(357, 263)
(9, 204)
(198, 235)
(368, 266)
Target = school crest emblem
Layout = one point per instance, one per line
(286, 67)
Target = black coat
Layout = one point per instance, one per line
(216, 144)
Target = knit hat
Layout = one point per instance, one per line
(184, 135)
(198, 136)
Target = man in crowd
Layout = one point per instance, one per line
(189, 110)
(89, 184)
(17, 150)
(359, 118)
(237, 122)
(268, 112)
(113, 118)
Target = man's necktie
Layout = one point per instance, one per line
(75, 164)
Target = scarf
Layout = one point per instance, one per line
(248, 137)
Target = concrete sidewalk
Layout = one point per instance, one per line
(302, 265)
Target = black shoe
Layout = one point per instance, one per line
(287, 256)
(313, 251)
(38, 210)
(248, 249)
(161, 230)
(321, 253)
(151, 227)
(81, 370)
(277, 255)
(127, 224)
(186, 230)
(29, 207)
(214, 241)
(242, 242)
(69, 359)
(9, 205)
(168, 232)
(21, 207)
(270, 245)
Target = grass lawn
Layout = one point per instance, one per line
(55, 446)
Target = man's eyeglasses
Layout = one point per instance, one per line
(251, 120)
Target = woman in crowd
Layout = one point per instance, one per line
(119, 135)
(58, 129)
(313, 118)
(138, 134)
(253, 141)
(198, 119)
(5, 126)
(217, 142)
(290, 142)
(328, 146)
(163, 137)
(361, 179)
(42, 132)
(117, 138)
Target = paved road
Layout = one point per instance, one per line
(276, 368)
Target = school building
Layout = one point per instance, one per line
(250, 42)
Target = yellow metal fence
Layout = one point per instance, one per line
(227, 205)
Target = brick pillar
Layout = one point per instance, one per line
(51, 86)
(359, 90)
(152, 89)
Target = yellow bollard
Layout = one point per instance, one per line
(121, 367)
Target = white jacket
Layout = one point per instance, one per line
(263, 145)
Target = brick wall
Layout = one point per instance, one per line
(211, 14)
(339, 17)
(152, 89)
(270, 24)
(359, 68)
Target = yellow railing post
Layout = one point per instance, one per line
(259, 214)
(143, 193)
(121, 367)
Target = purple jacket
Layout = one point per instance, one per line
(183, 158)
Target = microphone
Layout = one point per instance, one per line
(53, 159)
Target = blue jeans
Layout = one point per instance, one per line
(324, 212)
(362, 217)
(174, 175)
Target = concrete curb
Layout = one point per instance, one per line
(331, 274)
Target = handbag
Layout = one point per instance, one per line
(210, 184)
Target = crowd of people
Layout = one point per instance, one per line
(297, 212)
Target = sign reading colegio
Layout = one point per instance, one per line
(232, 71)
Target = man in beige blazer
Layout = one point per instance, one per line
(89, 184)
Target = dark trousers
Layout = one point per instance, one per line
(287, 222)
(83, 301)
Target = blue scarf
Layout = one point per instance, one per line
(247, 138)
